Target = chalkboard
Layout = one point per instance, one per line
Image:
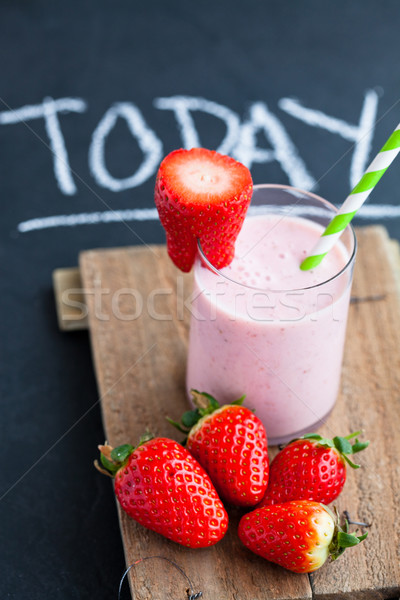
(92, 95)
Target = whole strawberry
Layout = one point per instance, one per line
(311, 468)
(298, 535)
(161, 486)
(202, 195)
(231, 444)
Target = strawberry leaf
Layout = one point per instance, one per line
(110, 466)
(239, 401)
(345, 447)
(347, 540)
(121, 453)
(318, 438)
(177, 426)
(205, 405)
(350, 462)
(352, 435)
(312, 436)
(190, 418)
(358, 446)
(112, 459)
(342, 445)
(342, 539)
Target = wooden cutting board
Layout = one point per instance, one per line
(138, 310)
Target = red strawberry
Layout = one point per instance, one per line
(311, 468)
(161, 485)
(201, 194)
(298, 535)
(231, 444)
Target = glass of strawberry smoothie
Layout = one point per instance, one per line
(263, 327)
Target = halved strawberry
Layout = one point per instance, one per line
(201, 194)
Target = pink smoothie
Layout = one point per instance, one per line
(268, 330)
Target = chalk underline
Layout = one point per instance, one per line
(367, 212)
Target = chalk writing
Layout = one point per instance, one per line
(240, 139)
(361, 134)
(184, 105)
(284, 150)
(49, 110)
(148, 142)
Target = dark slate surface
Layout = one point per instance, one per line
(59, 530)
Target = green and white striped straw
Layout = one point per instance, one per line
(354, 201)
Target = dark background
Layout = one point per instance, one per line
(59, 530)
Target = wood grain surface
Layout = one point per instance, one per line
(138, 321)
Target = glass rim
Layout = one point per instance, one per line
(324, 202)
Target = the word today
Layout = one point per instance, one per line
(239, 141)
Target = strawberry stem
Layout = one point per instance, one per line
(204, 402)
(177, 425)
(352, 435)
(205, 405)
(342, 539)
(113, 459)
(341, 444)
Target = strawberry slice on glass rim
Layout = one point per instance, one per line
(203, 196)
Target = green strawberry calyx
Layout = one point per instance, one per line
(113, 459)
(205, 405)
(342, 539)
(341, 444)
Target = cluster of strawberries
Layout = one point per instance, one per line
(177, 490)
